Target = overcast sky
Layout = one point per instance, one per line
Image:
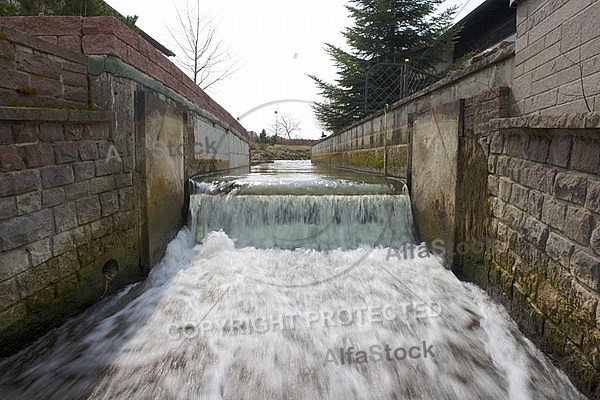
(275, 44)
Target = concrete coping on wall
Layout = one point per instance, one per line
(573, 121)
(53, 115)
(499, 54)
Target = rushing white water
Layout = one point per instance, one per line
(224, 319)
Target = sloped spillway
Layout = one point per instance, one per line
(289, 297)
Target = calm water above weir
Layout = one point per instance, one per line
(284, 288)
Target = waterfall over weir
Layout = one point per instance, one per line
(289, 296)
(305, 221)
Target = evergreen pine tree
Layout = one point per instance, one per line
(384, 31)
(262, 138)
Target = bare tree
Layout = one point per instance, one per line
(285, 124)
(203, 54)
(275, 129)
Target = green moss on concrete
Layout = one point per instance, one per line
(321, 159)
(373, 158)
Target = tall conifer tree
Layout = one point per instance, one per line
(384, 31)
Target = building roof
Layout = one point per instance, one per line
(489, 24)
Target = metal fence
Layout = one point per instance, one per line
(386, 83)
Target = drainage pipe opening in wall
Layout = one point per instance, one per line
(109, 270)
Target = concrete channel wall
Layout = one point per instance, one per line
(509, 150)
(417, 138)
(99, 133)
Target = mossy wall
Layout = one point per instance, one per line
(544, 214)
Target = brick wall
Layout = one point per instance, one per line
(35, 72)
(482, 108)
(60, 31)
(63, 215)
(557, 62)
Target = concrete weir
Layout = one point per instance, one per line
(99, 134)
(509, 148)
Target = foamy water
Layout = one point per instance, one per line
(225, 316)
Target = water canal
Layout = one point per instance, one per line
(283, 287)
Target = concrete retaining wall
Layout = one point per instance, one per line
(417, 140)
(361, 146)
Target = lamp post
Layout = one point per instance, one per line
(276, 124)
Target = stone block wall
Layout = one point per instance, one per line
(74, 227)
(472, 178)
(480, 109)
(63, 215)
(544, 196)
(60, 31)
(41, 74)
(557, 63)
